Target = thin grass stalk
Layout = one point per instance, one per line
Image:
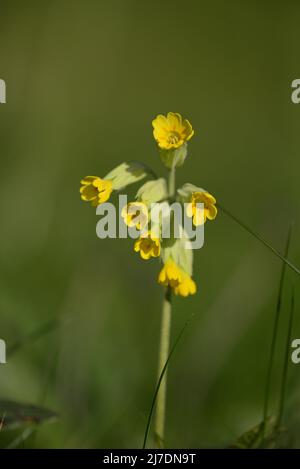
(286, 361)
(275, 331)
(260, 239)
(34, 335)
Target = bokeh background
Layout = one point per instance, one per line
(84, 80)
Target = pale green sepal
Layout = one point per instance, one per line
(186, 191)
(177, 249)
(174, 158)
(153, 191)
(127, 173)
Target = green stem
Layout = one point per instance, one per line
(160, 415)
(172, 183)
(162, 374)
(159, 423)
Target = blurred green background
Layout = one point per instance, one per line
(84, 80)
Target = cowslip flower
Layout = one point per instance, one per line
(95, 190)
(173, 276)
(172, 134)
(148, 246)
(135, 214)
(98, 190)
(200, 215)
(171, 131)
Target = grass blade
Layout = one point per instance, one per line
(2, 421)
(20, 438)
(259, 238)
(34, 335)
(275, 329)
(286, 360)
(161, 378)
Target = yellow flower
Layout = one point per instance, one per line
(148, 246)
(186, 287)
(171, 131)
(95, 190)
(200, 215)
(135, 214)
(170, 274)
(173, 276)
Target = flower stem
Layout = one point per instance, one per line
(171, 187)
(159, 423)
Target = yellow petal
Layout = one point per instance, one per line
(88, 179)
(174, 120)
(188, 129)
(88, 192)
(211, 212)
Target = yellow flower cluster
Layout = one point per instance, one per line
(171, 132)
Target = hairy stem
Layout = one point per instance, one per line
(160, 415)
(159, 423)
(171, 187)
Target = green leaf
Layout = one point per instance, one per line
(15, 415)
